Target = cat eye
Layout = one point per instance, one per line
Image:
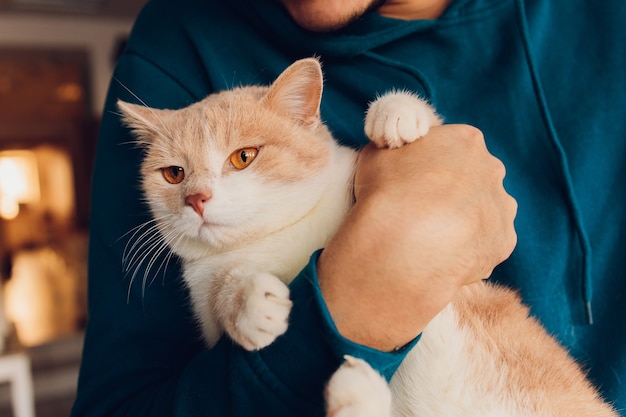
(173, 174)
(241, 158)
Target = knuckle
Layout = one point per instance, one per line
(472, 133)
(499, 168)
(511, 241)
(471, 137)
(513, 206)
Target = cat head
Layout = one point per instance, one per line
(237, 165)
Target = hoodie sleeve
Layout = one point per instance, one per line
(143, 355)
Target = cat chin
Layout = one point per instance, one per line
(207, 240)
(215, 236)
(194, 248)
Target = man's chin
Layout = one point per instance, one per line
(316, 17)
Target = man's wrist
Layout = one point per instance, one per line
(367, 306)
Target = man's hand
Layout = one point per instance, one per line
(429, 218)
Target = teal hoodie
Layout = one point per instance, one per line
(544, 80)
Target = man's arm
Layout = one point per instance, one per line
(429, 218)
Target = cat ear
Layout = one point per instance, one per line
(297, 92)
(142, 120)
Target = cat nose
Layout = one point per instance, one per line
(196, 201)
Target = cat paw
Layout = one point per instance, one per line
(357, 390)
(264, 313)
(398, 118)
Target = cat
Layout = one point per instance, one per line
(246, 184)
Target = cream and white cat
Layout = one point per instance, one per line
(246, 184)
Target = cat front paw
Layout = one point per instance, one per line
(357, 390)
(398, 118)
(264, 312)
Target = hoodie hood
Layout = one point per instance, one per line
(369, 32)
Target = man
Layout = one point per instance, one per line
(428, 219)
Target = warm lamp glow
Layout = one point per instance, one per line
(19, 181)
(9, 209)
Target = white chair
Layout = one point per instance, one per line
(15, 369)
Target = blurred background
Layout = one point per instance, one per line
(56, 59)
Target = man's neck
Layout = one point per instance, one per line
(413, 9)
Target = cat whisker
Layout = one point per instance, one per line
(136, 240)
(148, 242)
(165, 263)
(141, 254)
(151, 253)
(142, 240)
(162, 265)
(230, 117)
(144, 248)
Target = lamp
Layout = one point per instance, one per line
(19, 181)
